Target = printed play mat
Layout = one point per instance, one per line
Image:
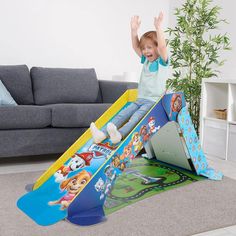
(145, 178)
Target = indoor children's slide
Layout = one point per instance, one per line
(76, 186)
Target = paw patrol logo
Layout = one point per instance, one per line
(105, 149)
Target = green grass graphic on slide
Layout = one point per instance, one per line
(145, 178)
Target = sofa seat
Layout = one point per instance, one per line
(24, 117)
(76, 115)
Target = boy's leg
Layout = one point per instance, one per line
(119, 120)
(135, 118)
(125, 114)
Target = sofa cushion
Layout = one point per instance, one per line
(58, 85)
(24, 117)
(76, 115)
(18, 82)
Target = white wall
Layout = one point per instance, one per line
(228, 70)
(74, 33)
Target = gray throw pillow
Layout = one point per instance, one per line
(5, 96)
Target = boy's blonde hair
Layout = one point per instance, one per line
(152, 35)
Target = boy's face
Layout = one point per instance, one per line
(149, 50)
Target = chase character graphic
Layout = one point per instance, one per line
(116, 161)
(144, 133)
(120, 161)
(175, 106)
(72, 186)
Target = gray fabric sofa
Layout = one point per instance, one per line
(55, 106)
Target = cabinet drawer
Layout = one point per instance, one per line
(232, 143)
(216, 124)
(214, 142)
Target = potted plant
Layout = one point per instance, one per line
(195, 48)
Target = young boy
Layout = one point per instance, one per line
(152, 50)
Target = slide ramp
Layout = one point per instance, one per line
(51, 197)
(76, 190)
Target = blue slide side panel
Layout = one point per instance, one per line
(194, 147)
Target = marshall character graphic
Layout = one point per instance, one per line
(78, 161)
(151, 125)
(116, 161)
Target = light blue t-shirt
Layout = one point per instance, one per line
(152, 83)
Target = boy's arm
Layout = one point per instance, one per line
(135, 23)
(162, 48)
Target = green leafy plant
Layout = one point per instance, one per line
(195, 50)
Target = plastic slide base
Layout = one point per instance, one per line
(89, 217)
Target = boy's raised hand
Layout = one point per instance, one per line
(158, 20)
(135, 23)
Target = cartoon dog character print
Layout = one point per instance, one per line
(78, 161)
(105, 187)
(61, 174)
(144, 133)
(128, 152)
(152, 125)
(100, 187)
(72, 185)
(175, 106)
(136, 142)
(116, 161)
(120, 162)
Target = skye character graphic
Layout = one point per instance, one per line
(72, 185)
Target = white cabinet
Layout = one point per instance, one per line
(218, 136)
(232, 143)
(215, 134)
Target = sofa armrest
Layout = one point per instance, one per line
(112, 90)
